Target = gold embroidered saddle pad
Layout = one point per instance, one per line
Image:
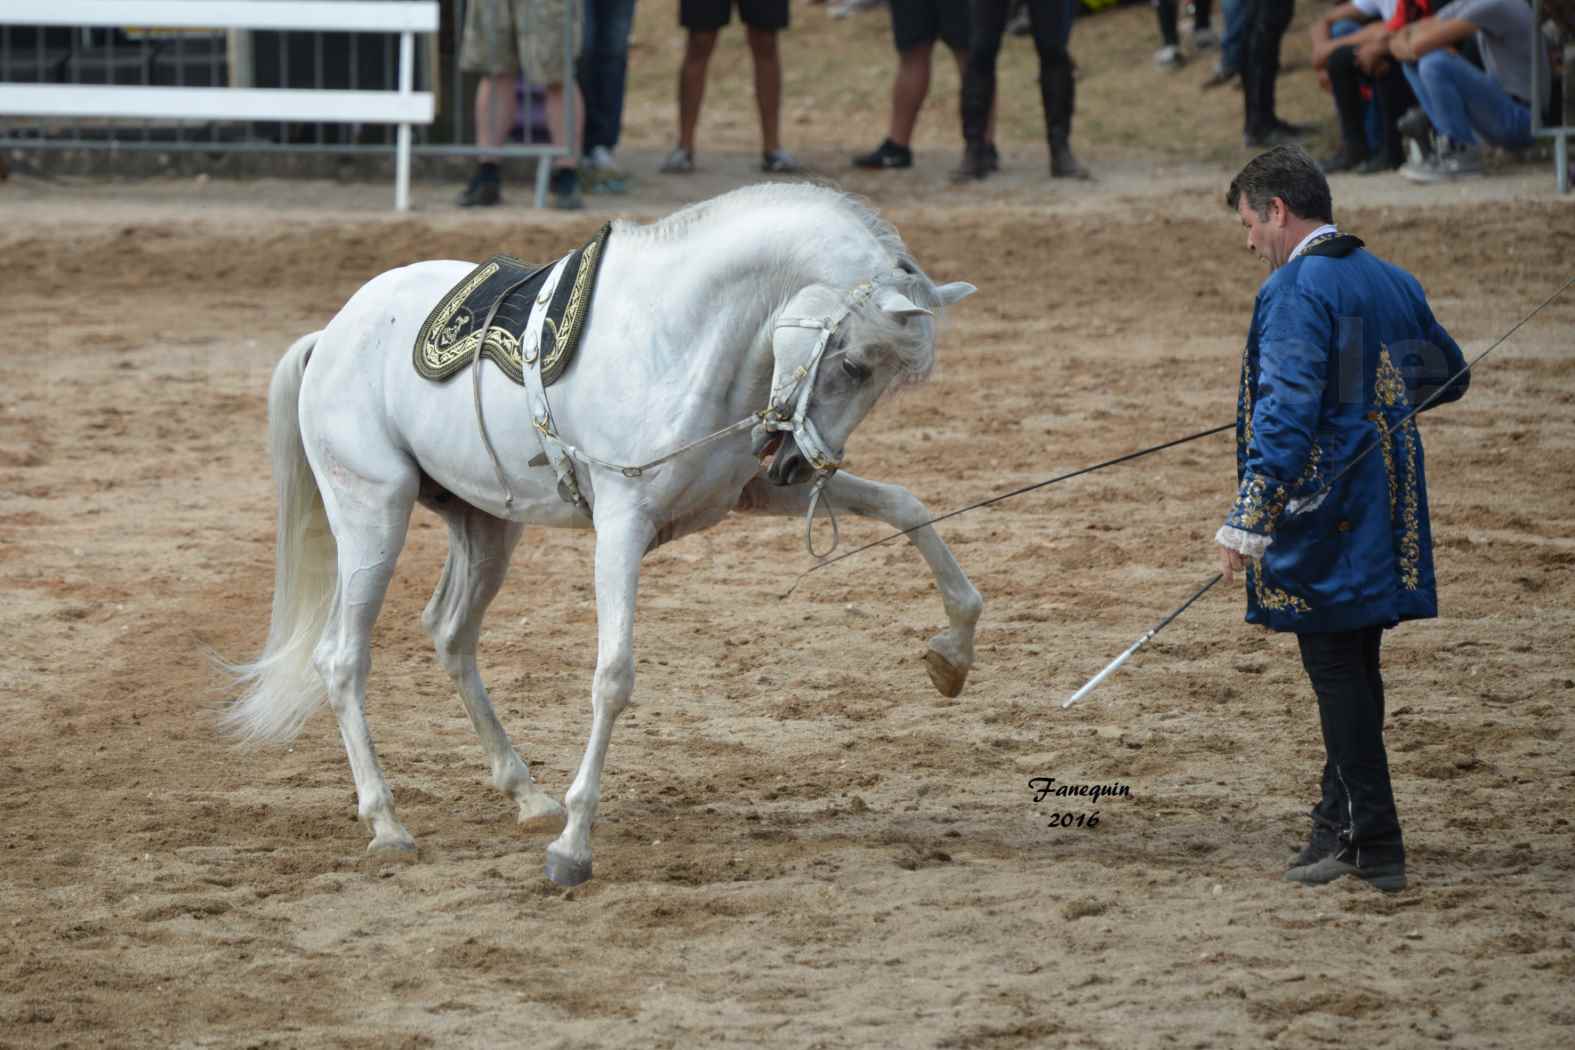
(506, 289)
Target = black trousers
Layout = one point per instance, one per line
(1391, 94)
(1267, 21)
(1167, 19)
(1358, 800)
(1050, 20)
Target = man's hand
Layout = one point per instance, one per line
(1231, 562)
(1401, 45)
(1373, 56)
(1324, 82)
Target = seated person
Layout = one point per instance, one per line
(1471, 107)
(1350, 51)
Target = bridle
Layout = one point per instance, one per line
(786, 411)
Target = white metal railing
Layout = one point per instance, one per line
(1560, 135)
(402, 107)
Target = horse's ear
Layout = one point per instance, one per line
(955, 292)
(894, 302)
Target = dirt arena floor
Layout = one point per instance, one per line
(800, 843)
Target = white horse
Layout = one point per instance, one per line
(705, 318)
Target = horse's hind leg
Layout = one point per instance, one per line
(950, 654)
(479, 546)
(369, 518)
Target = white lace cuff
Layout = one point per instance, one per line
(1247, 544)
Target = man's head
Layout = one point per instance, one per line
(1280, 197)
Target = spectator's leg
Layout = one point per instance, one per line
(1200, 15)
(978, 88)
(604, 69)
(1490, 114)
(1345, 84)
(495, 109)
(1233, 45)
(1166, 10)
(555, 126)
(1392, 96)
(768, 85)
(1057, 88)
(909, 90)
(1270, 19)
(1438, 80)
(691, 84)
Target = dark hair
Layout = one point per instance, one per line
(1286, 172)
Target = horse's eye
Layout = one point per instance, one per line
(856, 372)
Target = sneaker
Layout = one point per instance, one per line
(1019, 25)
(1454, 160)
(1219, 77)
(565, 188)
(887, 155)
(1324, 841)
(1169, 57)
(1415, 125)
(679, 162)
(1389, 878)
(780, 162)
(483, 191)
(601, 173)
(1205, 38)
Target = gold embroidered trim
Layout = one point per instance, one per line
(566, 331)
(1273, 597)
(1411, 539)
(1389, 384)
(1387, 447)
(1258, 506)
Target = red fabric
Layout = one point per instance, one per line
(1408, 11)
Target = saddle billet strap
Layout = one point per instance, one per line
(531, 352)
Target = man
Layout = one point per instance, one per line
(1267, 21)
(1471, 106)
(763, 20)
(916, 25)
(501, 38)
(1349, 61)
(1335, 542)
(1052, 25)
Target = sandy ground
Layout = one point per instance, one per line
(801, 844)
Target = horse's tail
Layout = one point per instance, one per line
(282, 687)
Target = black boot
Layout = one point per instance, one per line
(975, 163)
(1063, 165)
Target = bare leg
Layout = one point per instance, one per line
(768, 86)
(950, 654)
(495, 106)
(691, 85)
(558, 130)
(479, 546)
(908, 91)
(622, 537)
(369, 521)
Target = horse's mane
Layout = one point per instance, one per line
(915, 353)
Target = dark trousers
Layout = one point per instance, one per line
(1167, 19)
(1391, 94)
(1267, 21)
(1051, 23)
(1358, 800)
(603, 69)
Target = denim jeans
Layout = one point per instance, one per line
(1467, 104)
(1233, 44)
(604, 67)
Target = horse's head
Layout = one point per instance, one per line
(836, 351)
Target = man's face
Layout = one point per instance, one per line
(1266, 236)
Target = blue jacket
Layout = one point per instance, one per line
(1342, 345)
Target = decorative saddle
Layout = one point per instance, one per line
(506, 291)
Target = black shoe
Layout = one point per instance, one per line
(887, 155)
(1415, 125)
(992, 156)
(1219, 77)
(1063, 165)
(1344, 159)
(1323, 842)
(1377, 164)
(975, 165)
(1279, 134)
(1390, 878)
(565, 187)
(481, 192)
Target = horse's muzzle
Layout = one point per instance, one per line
(788, 466)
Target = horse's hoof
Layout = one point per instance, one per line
(392, 847)
(541, 813)
(565, 871)
(948, 677)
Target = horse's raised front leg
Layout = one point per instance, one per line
(622, 536)
(950, 654)
(479, 546)
(369, 520)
